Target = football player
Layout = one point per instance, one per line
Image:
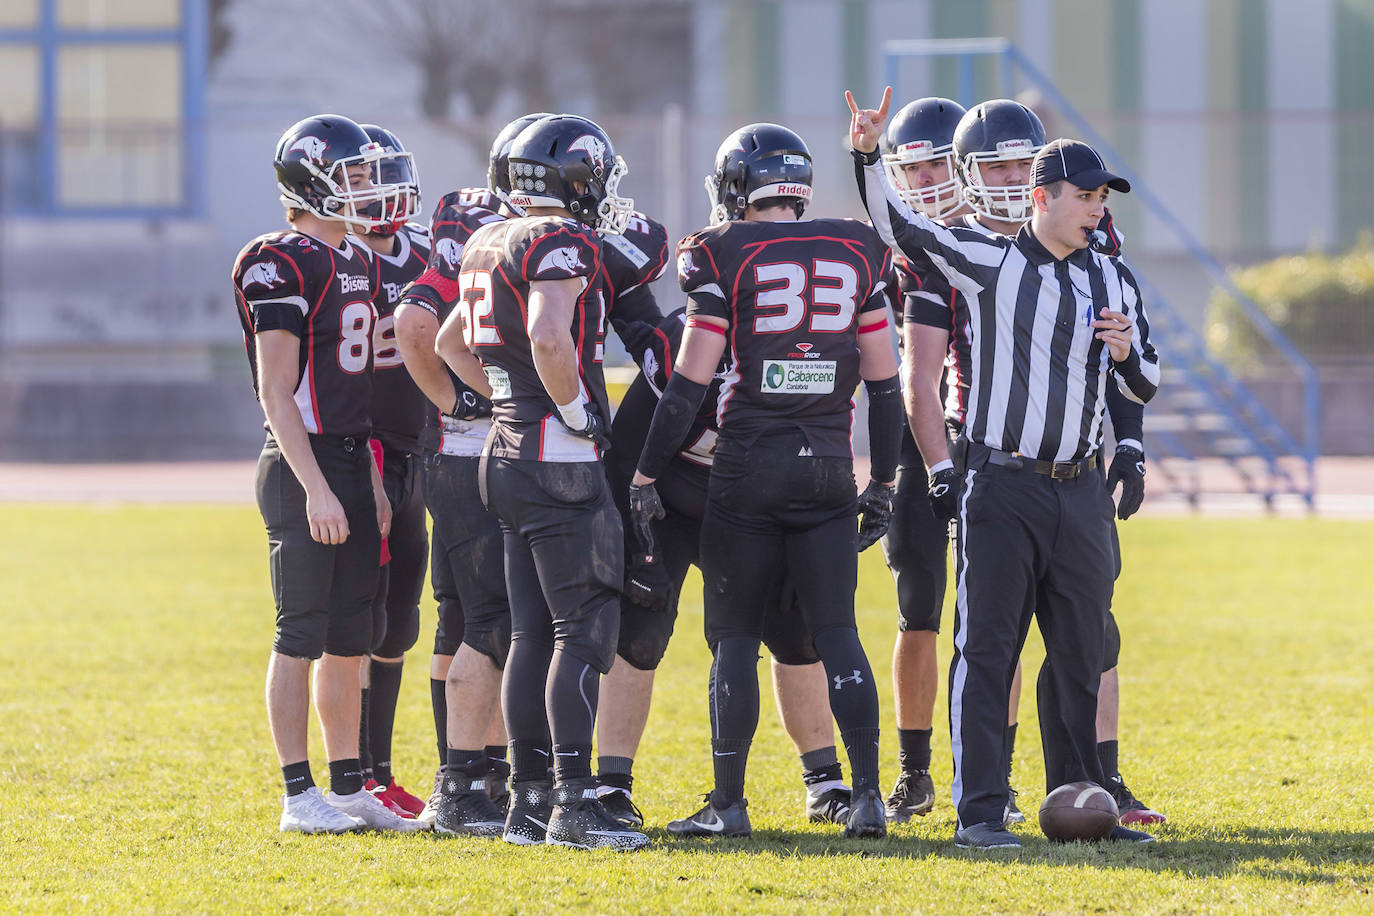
(306, 303)
(398, 410)
(993, 146)
(528, 332)
(798, 304)
(473, 634)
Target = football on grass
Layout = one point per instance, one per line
(1078, 811)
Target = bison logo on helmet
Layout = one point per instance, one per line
(568, 260)
(594, 147)
(313, 147)
(450, 251)
(264, 272)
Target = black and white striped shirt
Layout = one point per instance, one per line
(1038, 377)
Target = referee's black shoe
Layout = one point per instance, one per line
(867, 815)
(732, 820)
(988, 835)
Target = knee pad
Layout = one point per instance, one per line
(644, 635)
(1111, 647)
(402, 631)
(492, 641)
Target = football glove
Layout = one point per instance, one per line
(1128, 469)
(875, 512)
(647, 583)
(594, 431)
(469, 405)
(645, 509)
(944, 494)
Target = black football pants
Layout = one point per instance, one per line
(1028, 546)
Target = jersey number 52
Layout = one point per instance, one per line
(475, 308)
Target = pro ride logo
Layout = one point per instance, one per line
(786, 376)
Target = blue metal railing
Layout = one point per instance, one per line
(1010, 59)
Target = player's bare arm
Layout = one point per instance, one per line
(924, 349)
(278, 359)
(451, 345)
(416, 331)
(703, 344)
(551, 344)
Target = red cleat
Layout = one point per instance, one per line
(396, 796)
(391, 805)
(1133, 810)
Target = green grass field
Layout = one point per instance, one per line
(139, 777)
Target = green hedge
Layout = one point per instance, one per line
(1323, 304)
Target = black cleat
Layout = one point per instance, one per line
(1127, 835)
(831, 806)
(498, 786)
(733, 820)
(580, 821)
(619, 806)
(914, 794)
(1133, 810)
(1013, 814)
(867, 817)
(465, 809)
(989, 835)
(527, 817)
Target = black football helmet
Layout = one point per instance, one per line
(397, 172)
(756, 162)
(498, 167)
(997, 131)
(552, 153)
(922, 131)
(313, 159)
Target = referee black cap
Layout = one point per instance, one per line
(1076, 163)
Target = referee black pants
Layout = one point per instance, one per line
(1028, 546)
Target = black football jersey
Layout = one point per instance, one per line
(633, 261)
(699, 446)
(291, 281)
(458, 215)
(399, 408)
(500, 261)
(792, 292)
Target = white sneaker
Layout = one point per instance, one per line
(308, 812)
(431, 809)
(369, 809)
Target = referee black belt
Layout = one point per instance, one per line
(1057, 470)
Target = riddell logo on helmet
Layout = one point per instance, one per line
(1015, 146)
(313, 147)
(916, 146)
(791, 190)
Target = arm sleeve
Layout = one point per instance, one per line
(1128, 417)
(884, 427)
(1138, 374)
(272, 286)
(673, 417)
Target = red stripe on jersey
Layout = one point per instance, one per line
(668, 348)
(524, 308)
(694, 322)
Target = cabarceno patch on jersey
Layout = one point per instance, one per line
(797, 376)
(499, 380)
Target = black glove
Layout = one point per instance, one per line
(594, 431)
(469, 405)
(647, 583)
(645, 508)
(1128, 469)
(944, 494)
(875, 512)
